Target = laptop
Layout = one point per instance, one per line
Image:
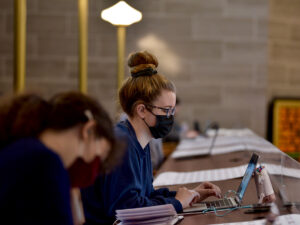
(230, 202)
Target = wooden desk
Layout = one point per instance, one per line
(221, 161)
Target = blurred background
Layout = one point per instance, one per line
(227, 58)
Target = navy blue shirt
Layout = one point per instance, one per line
(34, 186)
(128, 186)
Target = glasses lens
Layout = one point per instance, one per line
(171, 112)
(168, 111)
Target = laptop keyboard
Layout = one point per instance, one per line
(222, 203)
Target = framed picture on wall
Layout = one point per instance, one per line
(284, 125)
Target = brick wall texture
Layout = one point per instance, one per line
(284, 49)
(226, 57)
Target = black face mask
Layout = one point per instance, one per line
(162, 127)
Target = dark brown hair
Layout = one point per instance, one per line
(145, 84)
(68, 110)
(28, 115)
(22, 116)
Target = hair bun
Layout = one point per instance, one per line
(142, 64)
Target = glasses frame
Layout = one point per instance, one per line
(169, 111)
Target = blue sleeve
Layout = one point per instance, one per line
(54, 182)
(164, 192)
(124, 188)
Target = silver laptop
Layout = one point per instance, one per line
(230, 202)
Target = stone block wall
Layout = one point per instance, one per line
(215, 52)
(284, 49)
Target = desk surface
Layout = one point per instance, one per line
(223, 161)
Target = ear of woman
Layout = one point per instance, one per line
(87, 130)
(141, 110)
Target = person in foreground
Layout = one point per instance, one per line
(42, 144)
(148, 99)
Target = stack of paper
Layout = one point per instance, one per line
(159, 215)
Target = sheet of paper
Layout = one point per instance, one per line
(290, 219)
(173, 178)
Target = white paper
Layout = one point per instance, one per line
(290, 219)
(173, 178)
(160, 214)
(223, 144)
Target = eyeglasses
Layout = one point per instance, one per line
(168, 111)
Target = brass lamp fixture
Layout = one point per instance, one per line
(121, 15)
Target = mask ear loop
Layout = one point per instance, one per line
(145, 122)
(147, 108)
(151, 113)
(90, 117)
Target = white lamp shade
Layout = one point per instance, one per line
(121, 14)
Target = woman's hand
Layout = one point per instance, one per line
(205, 190)
(186, 196)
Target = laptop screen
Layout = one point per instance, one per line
(247, 176)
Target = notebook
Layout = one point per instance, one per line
(230, 202)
